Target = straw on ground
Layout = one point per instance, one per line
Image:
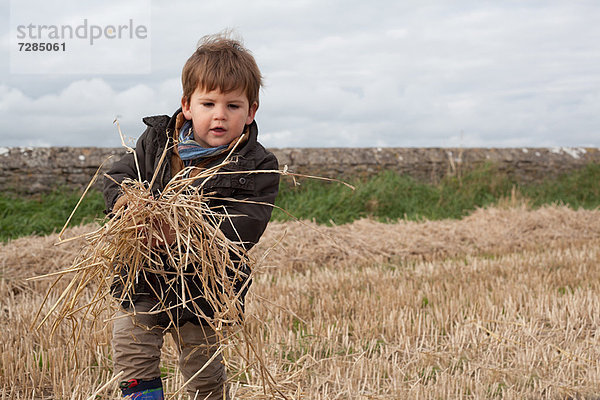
(501, 304)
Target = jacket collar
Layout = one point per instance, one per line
(164, 123)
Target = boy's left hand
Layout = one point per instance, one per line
(163, 234)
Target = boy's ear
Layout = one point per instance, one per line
(251, 113)
(185, 107)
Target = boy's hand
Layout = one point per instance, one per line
(120, 202)
(166, 234)
(162, 233)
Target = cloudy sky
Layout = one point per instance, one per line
(346, 73)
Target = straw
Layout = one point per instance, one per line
(135, 244)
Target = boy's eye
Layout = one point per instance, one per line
(234, 106)
(207, 104)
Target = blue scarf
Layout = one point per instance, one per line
(190, 150)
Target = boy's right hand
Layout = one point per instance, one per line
(162, 232)
(166, 234)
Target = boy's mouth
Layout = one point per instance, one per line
(219, 129)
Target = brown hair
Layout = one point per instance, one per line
(223, 63)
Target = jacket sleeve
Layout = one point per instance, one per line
(249, 216)
(125, 168)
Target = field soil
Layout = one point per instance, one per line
(504, 303)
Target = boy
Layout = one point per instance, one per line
(220, 82)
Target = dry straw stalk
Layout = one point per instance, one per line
(173, 236)
(405, 311)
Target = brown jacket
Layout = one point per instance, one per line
(250, 219)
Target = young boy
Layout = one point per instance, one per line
(221, 82)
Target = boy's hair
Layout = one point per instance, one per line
(223, 63)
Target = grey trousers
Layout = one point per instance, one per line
(137, 341)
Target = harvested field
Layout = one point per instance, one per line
(501, 304)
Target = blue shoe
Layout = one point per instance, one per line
(137, 389)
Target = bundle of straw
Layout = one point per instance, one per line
(173, 236)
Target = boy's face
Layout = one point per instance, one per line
(218, 118)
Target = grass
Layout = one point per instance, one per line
(389, 197)
(45, 213)
(578, 190)
(338, 323)
(385, 197)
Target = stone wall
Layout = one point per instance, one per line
(35, 170)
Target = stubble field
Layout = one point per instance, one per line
(501, 304)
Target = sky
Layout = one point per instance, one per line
(383, 73)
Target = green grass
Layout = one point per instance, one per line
(389, 197)
(45, 213)
(386, 197)
(580, 189)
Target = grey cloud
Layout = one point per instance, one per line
(354, 74)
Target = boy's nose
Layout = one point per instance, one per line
(219, 113)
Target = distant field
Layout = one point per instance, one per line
(386, 197)
(502, 303)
